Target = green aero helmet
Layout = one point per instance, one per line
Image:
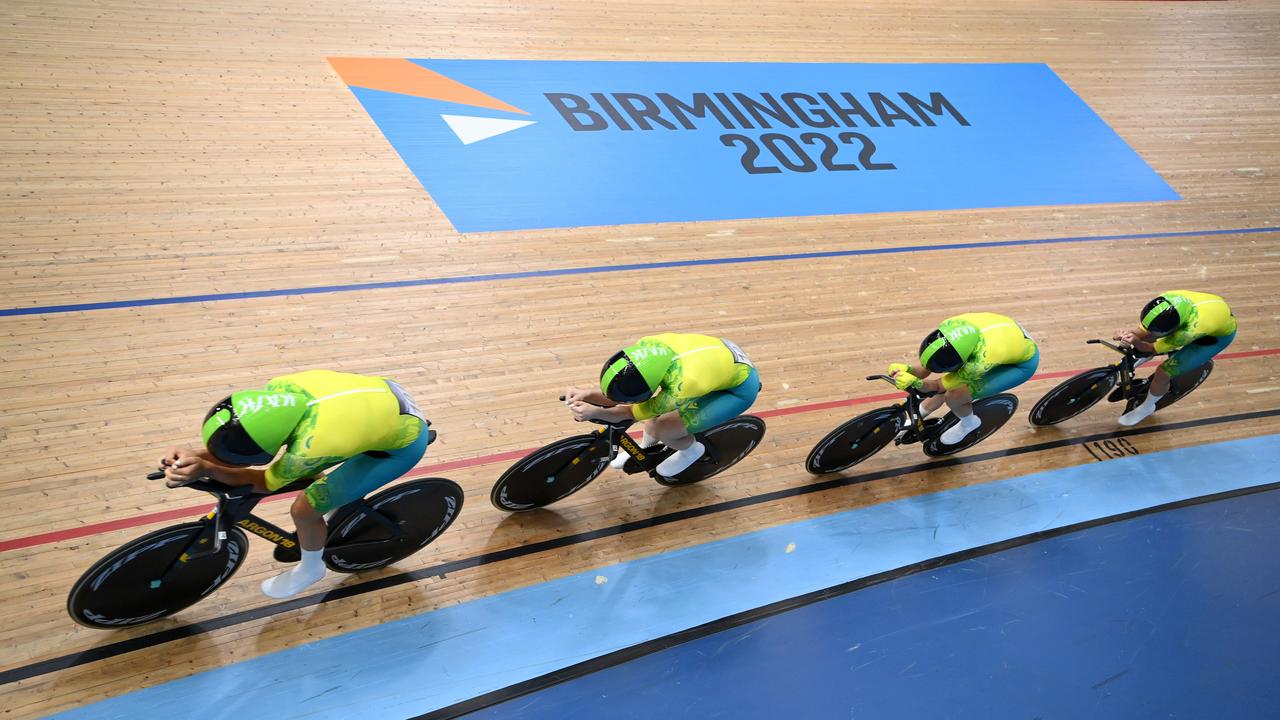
(950, 346)
(1165, 314)
(248, 427)
(633, 374)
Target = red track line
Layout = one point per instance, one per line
(197, 510)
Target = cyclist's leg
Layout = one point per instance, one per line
(355, 478)
(931, 403)
(1191, 357)
(702, 414)
(1004, 378)
(365, 473)
(997, 380)
(960, 400)
(1183, 361)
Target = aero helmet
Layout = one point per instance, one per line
(248, 427)
(1165, 314)
(944, 350)
(632, 375)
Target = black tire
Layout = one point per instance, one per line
(854, 441)
(993, 411)
(421, 509)
(1179, 388)
(1073, 396)
(546, 475)
(118, 591)
(727, 443)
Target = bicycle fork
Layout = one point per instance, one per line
(213, 535)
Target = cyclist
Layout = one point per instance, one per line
(979, 355)
(679, 384)
(321, 418)
(1191, 326)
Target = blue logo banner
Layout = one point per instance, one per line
(508, 145)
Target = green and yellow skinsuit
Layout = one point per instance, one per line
(346, 416)
(710, 381)
(1206, 333)
(1003, 359)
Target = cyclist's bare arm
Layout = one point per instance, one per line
(583, 410)
(184, 466)
(588, 395)
(1137, 337)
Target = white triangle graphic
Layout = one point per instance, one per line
(473, 129)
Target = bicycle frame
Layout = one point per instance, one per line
(235, 506)
(615, 433)
(1127, 365)
(912, 417)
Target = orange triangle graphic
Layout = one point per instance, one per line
(398, 75)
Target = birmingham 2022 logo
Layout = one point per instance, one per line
(827, 126)
(822, 144)
(512, 145)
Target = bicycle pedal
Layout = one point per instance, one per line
(286, 555)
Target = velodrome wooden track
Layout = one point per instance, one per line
(153, 151)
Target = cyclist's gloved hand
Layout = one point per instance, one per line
(906, 380)
(902, 377)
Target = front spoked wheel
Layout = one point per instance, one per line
(993, 411)
(726, 443)
(854, 441)
(361, 535)
(146, 579)
(550, 474)
(1073, 396)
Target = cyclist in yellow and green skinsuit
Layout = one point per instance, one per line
(678, 384)
(369, 425)
(1191, 326)
(980, 355)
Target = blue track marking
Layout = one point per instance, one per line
(418, 664)
(1168, 615)
(599, 269)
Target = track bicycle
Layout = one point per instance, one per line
(903, 424)
(165, 571)
(1116, 383)
(564, 467)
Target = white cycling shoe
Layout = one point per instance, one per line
(291, 582)
(960, 430)
(1141, 412)
(681, 460)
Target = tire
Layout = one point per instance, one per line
(421, 509)
(854, 441)
(118, 592)
(546, 475)
(1073, 397)
(727, 444)
(993, 411)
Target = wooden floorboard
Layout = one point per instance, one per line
(162, 150)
